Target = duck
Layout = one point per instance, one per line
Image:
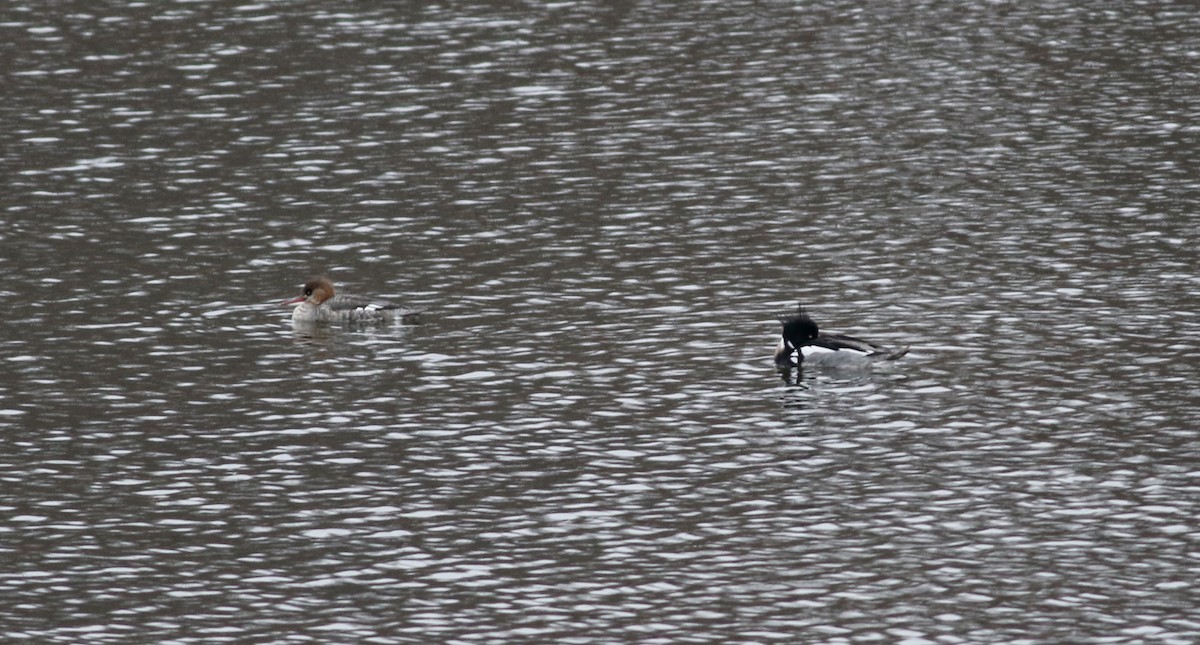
(319, 302)
(801, 342)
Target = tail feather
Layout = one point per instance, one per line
(885, 354)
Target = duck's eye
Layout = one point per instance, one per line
(307, 292)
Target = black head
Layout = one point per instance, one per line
(798, 328)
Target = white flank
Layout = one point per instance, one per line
(809, 350)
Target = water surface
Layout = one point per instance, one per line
(604, 207)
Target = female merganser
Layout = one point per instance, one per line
(319, 304)
(801, 343)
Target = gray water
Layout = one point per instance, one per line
(604, 207)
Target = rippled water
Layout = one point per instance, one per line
(604, 207)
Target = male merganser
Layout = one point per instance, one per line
(801, 343)
(318, 303)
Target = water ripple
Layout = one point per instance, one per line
(604, 207)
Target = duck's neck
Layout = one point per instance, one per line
(306, 312)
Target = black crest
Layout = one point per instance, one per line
(798, 328)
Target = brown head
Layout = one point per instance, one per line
(316, 291)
